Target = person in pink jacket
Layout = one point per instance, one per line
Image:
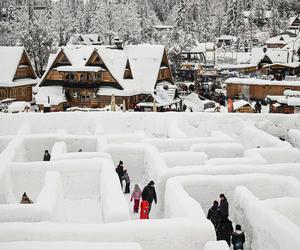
(136, 196)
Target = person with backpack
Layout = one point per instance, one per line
(238, 238)
(149, 194)
(213, 214)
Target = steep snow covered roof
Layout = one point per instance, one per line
(240, 104)
(10, 59)
(276, 55)
(144, 61)
(281, 39)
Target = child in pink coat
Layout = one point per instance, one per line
(136, 196)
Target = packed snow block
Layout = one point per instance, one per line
(135, 137)
(48, 206)
(275, 155)
(80, 177)
(216, 245)
(80, 155)
(217, 150)
(287, 206)
(235, 161)
(6, 185)
(253, 137)
(114, 205)
(293, 137)
(68, 245)
(207, 188)
(4, 141)
(174, 131)
(265, 228)
(161, 234)
(178, 203)
(184, 144)
(173, 159)
(58, 149)
(51, 198)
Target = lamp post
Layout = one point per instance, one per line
(294, 48)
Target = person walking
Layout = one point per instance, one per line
(238, 238)
(25, 199)
(213, 214)
(127, 181)
(223, 207)
(47, 156)
(144, 214)
(257, 107)
(149, 194)
(136, 196)
(224, 230)
(120, 172)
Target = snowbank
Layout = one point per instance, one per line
(175, 233)
(216, 245)
(68, 245)
(173, 159)
(253, 137)
(293, 137)
(135, 137)
(217, 150)
(264, 227)
(235, 161)
(275, 155)
(48, 206)
(16, 107)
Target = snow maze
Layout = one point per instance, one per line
(192, 158)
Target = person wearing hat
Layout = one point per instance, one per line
(25, 199)
(47, 156)
(149, 194)
(127, 181)
(120, 172)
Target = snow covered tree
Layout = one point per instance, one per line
(35, 34)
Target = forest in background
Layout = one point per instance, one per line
(134, 22)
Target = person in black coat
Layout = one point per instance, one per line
(120, 172)
(213, 214)
(224, 230)
(238, 238)
(223, 208)
(47, 156)
(149, 194)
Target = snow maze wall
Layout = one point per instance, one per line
(192, 158)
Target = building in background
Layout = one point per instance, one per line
(17, 76)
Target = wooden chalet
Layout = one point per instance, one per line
(278, 41)
(17, 76)
(295, 24)
(88, 76)
(257, 89)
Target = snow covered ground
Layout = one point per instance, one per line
(191, 157)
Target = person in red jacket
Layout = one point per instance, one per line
(144, 214)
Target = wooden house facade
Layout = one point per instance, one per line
(257, 89)
(90, 75)
(17, 76)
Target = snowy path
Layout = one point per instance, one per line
(154, 214)
(83, 211)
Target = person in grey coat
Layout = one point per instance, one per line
(127, 181)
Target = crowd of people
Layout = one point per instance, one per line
(148, 195)
(218, 214)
